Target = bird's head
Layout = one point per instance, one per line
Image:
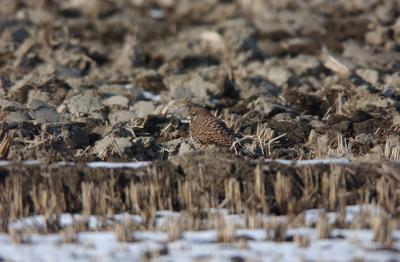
(196, 112)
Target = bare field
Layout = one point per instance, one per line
(96, 158)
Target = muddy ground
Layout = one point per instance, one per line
(76, 77)
(111, 80)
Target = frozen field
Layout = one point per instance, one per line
(231, 242)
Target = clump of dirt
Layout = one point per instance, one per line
(259, 61)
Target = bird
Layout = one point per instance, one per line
(206, 130)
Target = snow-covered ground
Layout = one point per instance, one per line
(138, 164)
(250, 244)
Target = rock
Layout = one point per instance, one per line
(172, 146)
(190, 86)
(123, 143)
(377, 36)
(301, 22)
(368, 101)
(304, 63)
(36, 104)
(143, 108)
(370, 75)
(111, 90)
(45, 115)
(42, 112)
(177, 108)
(83, 106)
(278, 75)
(117, 101)
(6, 105)
(267, 106)
(179, 146)
(121, 116)
(108, 146)
(186, 148)
(17, 117)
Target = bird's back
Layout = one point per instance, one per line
(208, 130)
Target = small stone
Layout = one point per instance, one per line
(117, 101)
(42, 112)
(114, 90)
(36, 104)
(143, 108)
(186, 148)
(370, 75)
(192, 86)
(121, 116)
(267, 106)
(123, 143)
(17, 117)
(376, 37)
(177, 108)
(83, 106)
(45, 115)
(6, 105)
(303, 63)
(278, 75)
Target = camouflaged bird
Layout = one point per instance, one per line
(207, 130)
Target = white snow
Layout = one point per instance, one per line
(345, 244)
(306, 162)
(101, 164)
(151, 96)
(147, 94)
(98, 164)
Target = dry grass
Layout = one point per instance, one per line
(123, 232)
(392, 152)
(383, 227)
(5, 145)
(69, 235)
(19, 236)
(302, 241)
(323, 227)
(268, 190)
(276, 231)
(259, 144)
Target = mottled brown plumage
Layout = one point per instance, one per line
(207, 130)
